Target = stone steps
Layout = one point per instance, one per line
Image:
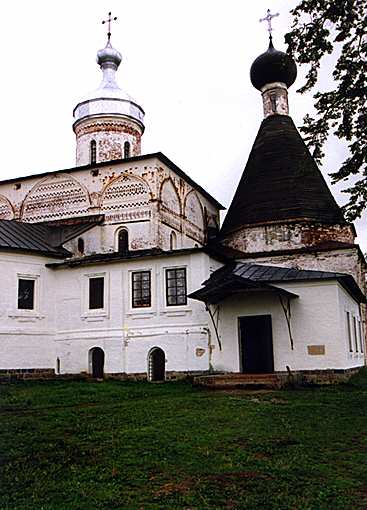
(245, 381)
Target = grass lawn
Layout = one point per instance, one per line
(121, 445)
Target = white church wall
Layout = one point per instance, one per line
(354, 352)
(315, 323)
(127, 193)
(26, 336)
(127, 334)
(104, 238)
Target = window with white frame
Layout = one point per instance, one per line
(176, 288)
(355, 336)
(360, 332)
(141, 289)
(349, 333)
(26, 293)
(96, 293)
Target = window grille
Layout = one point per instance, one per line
(141, 289)
(176, 293)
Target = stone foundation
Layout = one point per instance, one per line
(18, 374)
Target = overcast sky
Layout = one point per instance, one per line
(185, 62)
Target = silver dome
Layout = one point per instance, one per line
(108, 99)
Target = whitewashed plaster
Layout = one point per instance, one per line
(128, 194)
(317, 317)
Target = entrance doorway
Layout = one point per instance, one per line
(156, 365)
(97, 360)
(256, 344)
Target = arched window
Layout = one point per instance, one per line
(123, 241)
(93, 152)
(81, 245)
(126, 149)
(172, 241)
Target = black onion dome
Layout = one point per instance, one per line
(272, 66)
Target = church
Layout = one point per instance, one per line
(120, 266)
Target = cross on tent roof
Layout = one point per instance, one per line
(268, 18)
(108, 20)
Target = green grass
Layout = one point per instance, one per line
(118, 445)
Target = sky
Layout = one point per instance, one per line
(186, 63)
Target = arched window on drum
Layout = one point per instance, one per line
(93, 152)
(126, 150)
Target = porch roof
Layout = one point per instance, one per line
(238, 277)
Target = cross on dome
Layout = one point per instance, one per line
(268, 18)
(108, 20)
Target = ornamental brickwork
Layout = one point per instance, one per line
(110, 136)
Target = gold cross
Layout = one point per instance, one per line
(268, 18)
(108, 20)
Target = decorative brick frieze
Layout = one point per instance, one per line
(107, 126)
(110, 136)
(6, 209)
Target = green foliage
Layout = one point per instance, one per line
(121, 445)
(321, 27)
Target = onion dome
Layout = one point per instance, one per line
(109, 56)
(273, 66)
(109, 99)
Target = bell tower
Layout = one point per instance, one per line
(108, 123)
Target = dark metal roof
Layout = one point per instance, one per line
(281, 181)
(158, 155)
(238, 277)
(45, 238)
(29, 237)
(102, 258)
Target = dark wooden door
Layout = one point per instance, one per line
(97, 363)
(157, 362)
(256, 344)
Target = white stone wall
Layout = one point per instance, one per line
(62, 326)
(316, 317)
(146, 197)
(26, 336)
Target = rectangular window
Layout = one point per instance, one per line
(176, 293)
(25, 294)
(96, 293)
(141, 294)
(349, 333)
(361, 339)
(355, 333)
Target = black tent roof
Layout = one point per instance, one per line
(281, 181)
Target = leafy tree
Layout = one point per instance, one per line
(319, 28)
